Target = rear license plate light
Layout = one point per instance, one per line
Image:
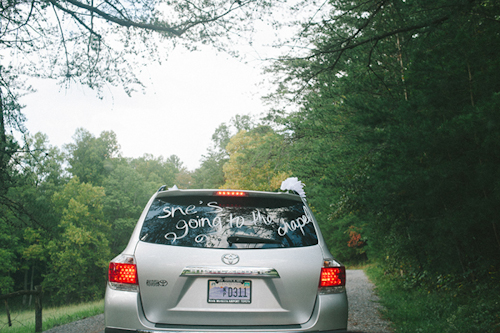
(230, 291)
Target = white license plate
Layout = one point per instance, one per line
(229, 291)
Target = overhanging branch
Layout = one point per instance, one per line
(125, 22)
(57, 5)
(380, 37)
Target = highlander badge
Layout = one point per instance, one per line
(230, 259)
(156, 283)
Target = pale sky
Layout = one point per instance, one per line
(186, 99)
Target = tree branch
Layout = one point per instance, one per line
(380, 37)
(124, 22)
(217, 17)
(119, 11)
(72, 14)
(348, 41)
(18, 210)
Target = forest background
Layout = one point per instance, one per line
(390, 116)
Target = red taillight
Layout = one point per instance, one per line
(332, 276)
(122, 273)
(231, 193)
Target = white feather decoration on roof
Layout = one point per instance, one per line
(293, 184)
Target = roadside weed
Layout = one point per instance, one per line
(457, 308)
(24, 321)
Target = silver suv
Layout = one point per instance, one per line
(226, 261)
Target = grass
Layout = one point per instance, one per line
(24, 321)
(454, 308)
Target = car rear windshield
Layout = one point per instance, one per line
(228, 222)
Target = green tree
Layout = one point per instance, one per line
(9, 117)
(91, 159)
(156, 169)
(27, 217)
(41, 162)
(10, 243)
(79, 255)
(41, 175)
(127, 192)
(396, 109)
(128, 188)
(257, 160)
(210, 174)
(183, 177)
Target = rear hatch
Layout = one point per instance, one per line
(249, 259)
(253, 289)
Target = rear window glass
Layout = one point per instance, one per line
(228, 222)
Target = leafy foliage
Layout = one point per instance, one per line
(397, 132)
(446, 307)
(80, 255)
(257, 160)
(61, 232)
(91, 158)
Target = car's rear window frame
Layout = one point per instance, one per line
(294, 229)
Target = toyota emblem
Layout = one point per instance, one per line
(230, 259)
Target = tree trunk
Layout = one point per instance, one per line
(25, 285)
(4, 154)
(32, 278)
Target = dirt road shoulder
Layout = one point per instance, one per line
(364, 306)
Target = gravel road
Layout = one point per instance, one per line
(364, 308)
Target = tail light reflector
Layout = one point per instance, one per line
(332, 276)
(122, 273)
(332, 279)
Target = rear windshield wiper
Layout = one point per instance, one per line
(251, 240)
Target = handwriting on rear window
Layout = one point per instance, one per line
(191, 221)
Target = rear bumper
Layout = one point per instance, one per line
(118, 330)
(123, 314)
